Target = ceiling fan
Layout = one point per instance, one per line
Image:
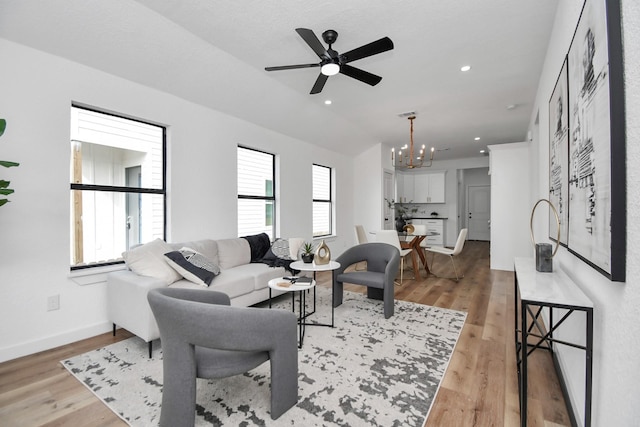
(331, 62)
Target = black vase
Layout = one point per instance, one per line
(307, 258)
(400, 223)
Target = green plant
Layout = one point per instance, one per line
(4, 185)
(307, 248)
(400, 209)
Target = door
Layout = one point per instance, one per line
(387, 213)
(479, 212)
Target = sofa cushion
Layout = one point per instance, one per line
(231, 282)
(260, 274)
(233, 252)
(207, 247)
(193, 265)
(149, 260)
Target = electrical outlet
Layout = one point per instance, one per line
(53, 302)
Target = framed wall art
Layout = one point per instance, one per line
(559, 156)
(597, 193)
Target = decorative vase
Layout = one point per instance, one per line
(307, 258)
(400, 223)
(323, 254)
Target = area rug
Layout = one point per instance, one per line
(366, 371)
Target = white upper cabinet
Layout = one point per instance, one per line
(405, 187)
(425, 188)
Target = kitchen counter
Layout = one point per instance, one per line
(427, 217)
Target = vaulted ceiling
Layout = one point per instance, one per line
(213, 52)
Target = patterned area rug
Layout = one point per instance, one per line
(367, 371)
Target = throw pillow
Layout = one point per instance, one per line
(149, 260)
(193, 266)
(280, 248)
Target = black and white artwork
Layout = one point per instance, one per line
(559, 157)
(591, 141)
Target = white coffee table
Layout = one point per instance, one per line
(312, 266)
(292, 286)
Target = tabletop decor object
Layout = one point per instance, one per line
(323, 254)
(544, 255)
(307, 253)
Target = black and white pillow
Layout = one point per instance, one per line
(193, 266)
(280, 249)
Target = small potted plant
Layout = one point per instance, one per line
(307, 252)
(434, 213)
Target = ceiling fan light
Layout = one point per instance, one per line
(330, 69)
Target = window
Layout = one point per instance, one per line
(322, 204)
(256, 195)
(117, 186)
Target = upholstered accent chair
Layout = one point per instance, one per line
(382, 266)
(202, 336)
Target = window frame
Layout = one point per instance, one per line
(124, 189)
(329, 201)
(271, 198)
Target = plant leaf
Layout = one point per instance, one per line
(8, 164)
(3, 201)
(4, 184)
(3, 126)
(5, 191)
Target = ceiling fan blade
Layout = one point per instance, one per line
(319, 84)
(312, 40)
(373, 48)
(358, 74)
(291, 67)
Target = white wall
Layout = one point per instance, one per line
(616, 305)
(510, 207)
(36, 98)
(367, 199)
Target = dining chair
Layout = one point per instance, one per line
(451, 253)
(391, 237)
(361, 237)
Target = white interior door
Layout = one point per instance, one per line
(479, 212)
(387, 214)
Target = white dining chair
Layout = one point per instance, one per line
(391, 237)
(361, 237)
(451, 253)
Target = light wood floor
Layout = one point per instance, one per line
(480, 387)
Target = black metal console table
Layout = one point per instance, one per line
(535, 291)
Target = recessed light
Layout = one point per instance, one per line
(481, 151)
(477, 138)
(327, 102)
(465, 68)
(511, 106)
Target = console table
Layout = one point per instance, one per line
(535, 291)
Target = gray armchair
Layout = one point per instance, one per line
(202, 336)
(382, 266)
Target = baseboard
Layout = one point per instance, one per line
(53, 341)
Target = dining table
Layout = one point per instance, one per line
(412, 240)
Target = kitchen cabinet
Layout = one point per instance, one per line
(435, 231)
(421, 187)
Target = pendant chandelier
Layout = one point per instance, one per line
(405, 158)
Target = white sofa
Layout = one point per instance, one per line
(243, 281)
